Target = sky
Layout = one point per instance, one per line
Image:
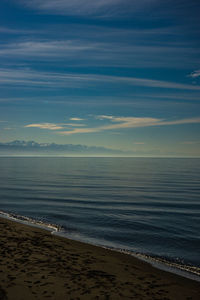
(120, 74)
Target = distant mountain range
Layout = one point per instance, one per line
(31, 147)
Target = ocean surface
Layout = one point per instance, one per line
(146, 206)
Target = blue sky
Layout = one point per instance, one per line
(122, 74)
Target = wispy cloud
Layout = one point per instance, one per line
(181, 122)
(76, 119)
(195, 74)
(53, 126)
(8, 30)
(45, 48)
(32, 78)
(102, 51)
(81, 130)
(129, 122)
(104, 117)
(153, 83)
(74, 124)
(49, 126)
(87, 7)
(173, 96)
(114, 124)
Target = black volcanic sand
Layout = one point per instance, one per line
(37, 265)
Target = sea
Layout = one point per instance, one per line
(145, 207)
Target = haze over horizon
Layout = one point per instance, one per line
(115, 74)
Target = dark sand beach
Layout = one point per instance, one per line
(34, 264)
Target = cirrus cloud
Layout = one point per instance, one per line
(76, 119)
(87, 7)
(195, 74)
(50, 126)
(31, 78)
(115, 123)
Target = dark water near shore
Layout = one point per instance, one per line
(145, 205)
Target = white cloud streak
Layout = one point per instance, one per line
(76, 119)
(195, 74)
(44, 48)
(29, 78)
(131, 122)
(74, 124)
(93, 51)
(115, 123)
(49, 126)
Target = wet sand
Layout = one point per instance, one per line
(34, 264)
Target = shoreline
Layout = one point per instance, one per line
(159, 263)
(36, 264)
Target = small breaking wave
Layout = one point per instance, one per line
(30, 221)
(171, 264)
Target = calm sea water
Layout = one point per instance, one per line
(143, 205)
